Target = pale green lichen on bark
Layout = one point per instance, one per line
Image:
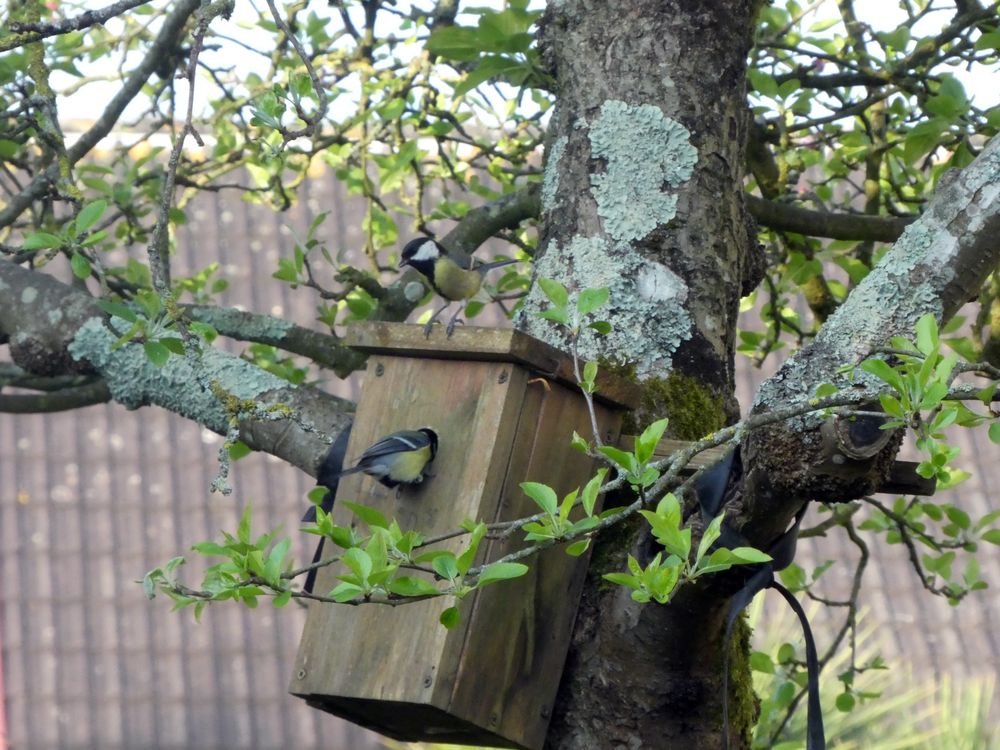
(650, 318)
(862, 323)
(550, 181)
(28, 295)
(135, 381)
(645, 151)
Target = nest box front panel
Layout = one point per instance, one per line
(513, 658)
(402, 653)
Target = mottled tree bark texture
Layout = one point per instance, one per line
(643, 194)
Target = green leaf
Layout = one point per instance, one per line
(412, 586)
(761, 662)
(455, 42)
(282, 599)
(156, 352)
(566, 506)
(578, 443)
(992, 536)
(555, 314)
(501, 572)
(750, 555)
(464, 561)
(763, 84)
(881, 370)
(450, 617)
(359, 562)
(243, 530)
(601, 326)
(370, 516)
(622, 579)
(591, 490)
(994, 432)
(118, 309)
(578, 548)
(646, 444)
(90, 215)
(958, 517)
(445, 565)
(346, 592)
(623, 459)
(990, 40)
(710, 535)
(40, 240)
(927, 334)
(825, 389)
(845, 702)
(80, 266)
(491, 68)
(543, 495)
(922, 137)
(555, 291)
(591, 299)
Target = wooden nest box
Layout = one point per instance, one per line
(505, 407)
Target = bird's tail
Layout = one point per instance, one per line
(487, 267)
(345, 472)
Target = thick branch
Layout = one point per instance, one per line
(837, 226)
(55, 329)
(63, 400)
(939, 262)
(322, 348)
(481, 223)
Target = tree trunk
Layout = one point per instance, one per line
(642, 194)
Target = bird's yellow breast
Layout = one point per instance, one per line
(408, 467)
(453, 282)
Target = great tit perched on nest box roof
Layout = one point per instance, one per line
(445, 274)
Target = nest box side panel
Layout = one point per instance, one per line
(520, 630)
(356, 660)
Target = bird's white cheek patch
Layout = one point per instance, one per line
(427, 251)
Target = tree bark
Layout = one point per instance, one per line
(642, 194)
(54, 329)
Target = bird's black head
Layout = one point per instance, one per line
(421, 254)
(432, 439)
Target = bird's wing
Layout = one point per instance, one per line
(486, 267)
(404, 440)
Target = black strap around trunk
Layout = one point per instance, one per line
(711, 489)
(328, 476)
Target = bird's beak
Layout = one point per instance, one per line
(402, 262)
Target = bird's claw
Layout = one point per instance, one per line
(451, 326)
(428, 327)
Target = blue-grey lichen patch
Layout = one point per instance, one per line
(55, 316)
(647, 300)
(550, 182)
(414, 291)
(645, 153)
(135, 381)
(28, 295)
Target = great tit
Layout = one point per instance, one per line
(400, 458)
(448, 278)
